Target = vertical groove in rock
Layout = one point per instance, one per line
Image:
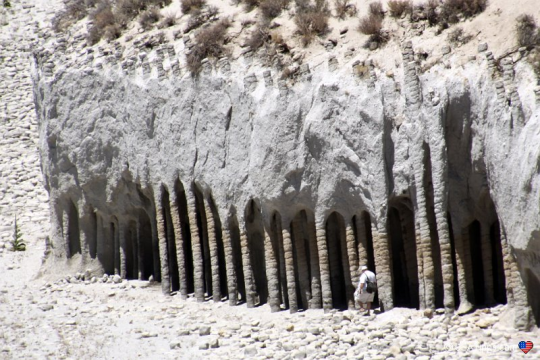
(155, 247)
(381, 249)
(316, 295)
(467, 265)
(486, 263)
(116, 247)
(289, 266)
(272, 271)
(179, 239)
(251, 293)
(322, 248)
(344, 247)
(232, 286)
(213, 247)
(353, 257)
(198, 268)
(140, 253)
(282, 268)
(134, 250)
(162, 241)
(123, 249)
(303, 272)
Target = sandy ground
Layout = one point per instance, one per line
(133, 320)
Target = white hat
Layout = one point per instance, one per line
(364, 267)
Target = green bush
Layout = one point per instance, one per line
(17, 244)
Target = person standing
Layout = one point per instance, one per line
(367, 285)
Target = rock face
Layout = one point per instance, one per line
(227, 184)
(22, 194)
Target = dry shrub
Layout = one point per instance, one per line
(188, 6)
(209, 43)
(272, 8)
(199, 18)
(527, 32)
(149, 18)
(104, 21)
(534, 60)
(311, 20)
(258, 37)
(344, 8)
(168, 21)
(250, 4)
(458, 36)
(453, 10)
(370, 25)
(399, 8)
(376, 9)
(432, 14)
(74, 11)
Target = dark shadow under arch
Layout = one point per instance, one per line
(404, 262)
(335, 228)
(73, 230)
(255, 234)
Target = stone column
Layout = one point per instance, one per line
(163, 251)
(251, 293)
(123, 248)
(155, 250)
(426, 269)
(463, 272)
(213, 247)
(303, 273)
(100, 241)
(65, 232)
(316, 295)
(196, 248)
(176, 223)
(486, 263)
(85, 233)
(381, 250)
(282, 268)
(272, 271)
(322, 248)
(516, 292)
(353, 258)
(344, 246)
(232, 286)
(289, 266)
(57, 233)
(361, 232)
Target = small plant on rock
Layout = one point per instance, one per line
(372, 25)
(344, 9)
(209, 43)
(149, 18)
(458, 36)
(17, 244)
(399, 8)
(527, 32)
(311, 20)
(188, 6)
(453, 11)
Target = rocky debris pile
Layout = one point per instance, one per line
(21, 182)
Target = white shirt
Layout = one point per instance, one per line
(367, 275)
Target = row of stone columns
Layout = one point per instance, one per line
(283, 241)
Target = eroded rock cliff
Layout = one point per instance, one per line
(239, 183)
